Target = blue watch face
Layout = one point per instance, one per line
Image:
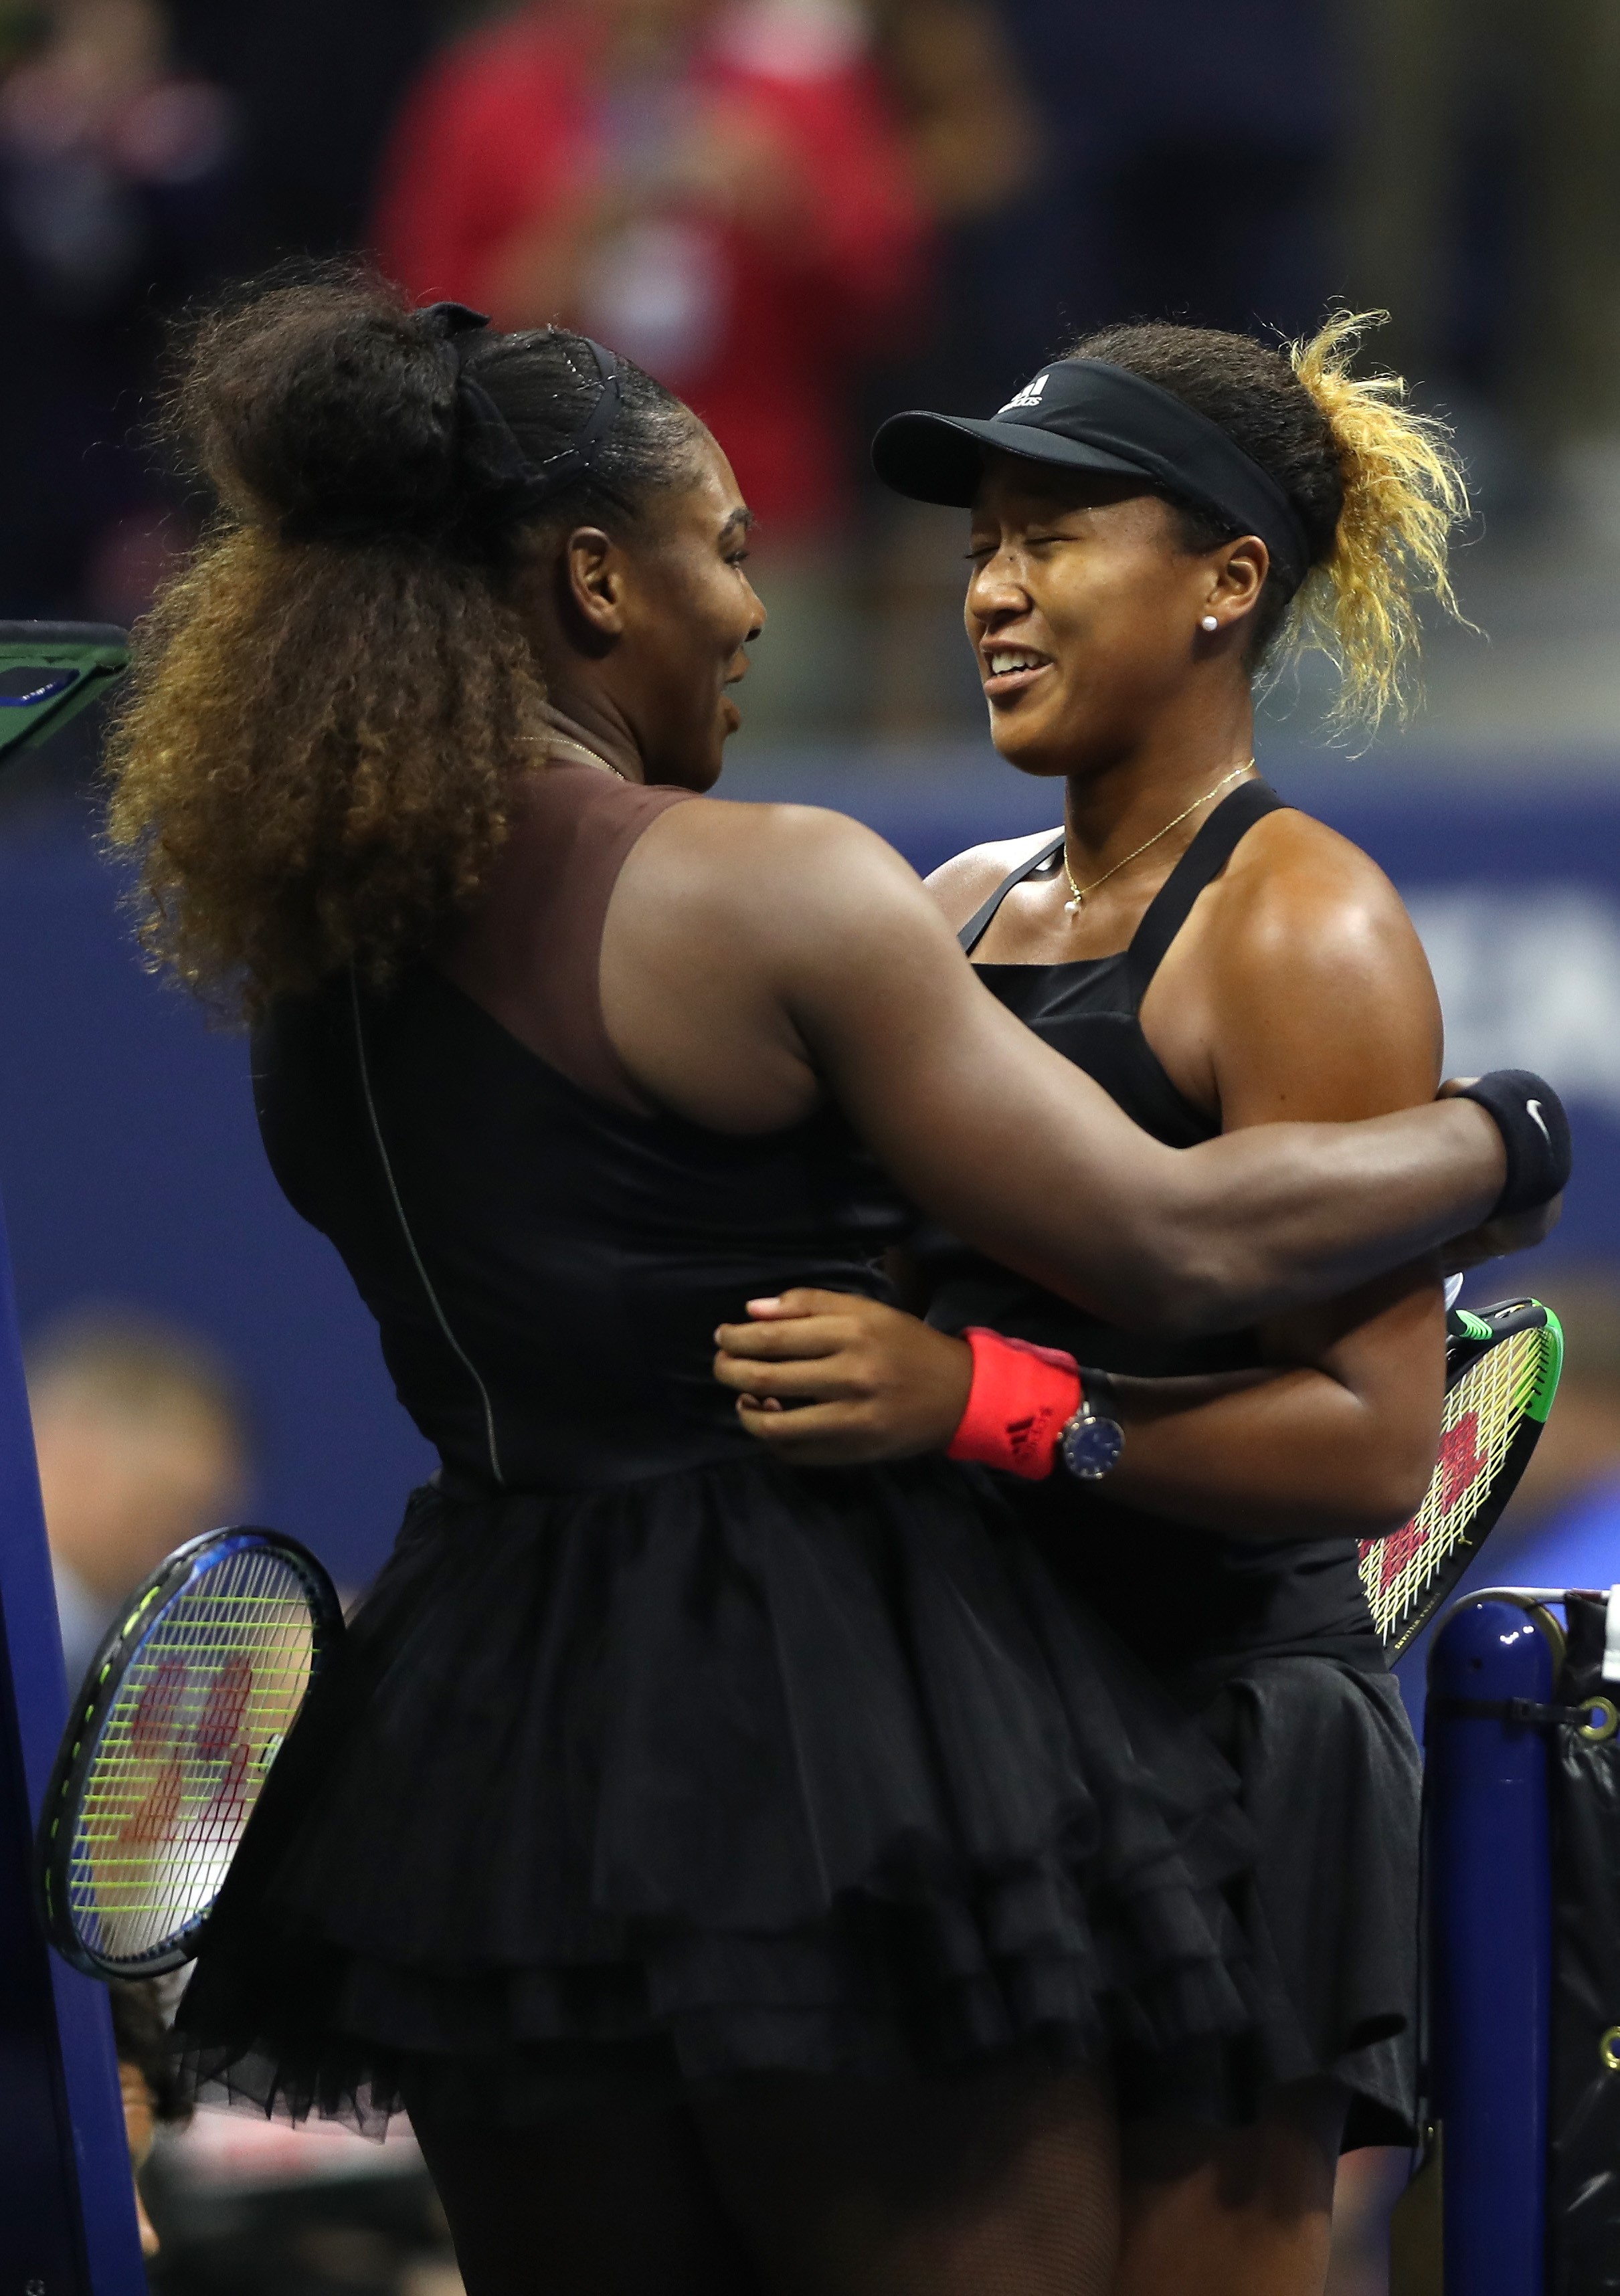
(1091, 1447)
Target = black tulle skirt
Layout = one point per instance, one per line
(735, 1771)
(1331, 1785)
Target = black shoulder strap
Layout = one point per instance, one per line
(1202, 863)
(974, 931)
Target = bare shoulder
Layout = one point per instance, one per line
(775, 873)
(961, 884)
(810, 839)
(1300, 989)
(1297, 895)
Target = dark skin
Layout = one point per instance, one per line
(1296, 989)
(758, 959)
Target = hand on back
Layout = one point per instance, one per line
(833, 1380)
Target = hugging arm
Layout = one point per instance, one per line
(1008, 1146)
(1316, 1001)
(757, 952)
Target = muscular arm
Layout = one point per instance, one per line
(756, 957)
(1312, 999)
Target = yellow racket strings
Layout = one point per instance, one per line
(184, 1752)
(1483, 1414)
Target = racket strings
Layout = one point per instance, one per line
(1484, 1413)
(183, 1749)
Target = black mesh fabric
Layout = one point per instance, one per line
(729, 1773)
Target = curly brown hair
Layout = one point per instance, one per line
(314, 757)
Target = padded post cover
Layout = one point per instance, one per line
(1583, 2121)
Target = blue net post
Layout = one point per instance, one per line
(66, 2203)
(1491, 1947)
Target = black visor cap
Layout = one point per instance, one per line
(1084, 414)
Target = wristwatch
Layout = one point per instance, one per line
(1091, 1442)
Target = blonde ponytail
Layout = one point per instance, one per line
(1404, 493)
(1377, 487)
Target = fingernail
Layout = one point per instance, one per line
(758, 1306)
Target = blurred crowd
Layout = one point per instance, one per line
(797, 213)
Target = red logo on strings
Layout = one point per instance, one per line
(220, 1736)
(220, 1722)
(152, 1722)
(1461, 1460)
(1460, 1464)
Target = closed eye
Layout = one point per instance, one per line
(981, 551)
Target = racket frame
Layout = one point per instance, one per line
(76, 661)
(1472, 1334)
(121, 1646)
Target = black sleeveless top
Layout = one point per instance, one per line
(546, 1268)
(650, 1758)
(1191, 1600)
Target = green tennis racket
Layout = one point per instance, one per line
(1503, 1366)
(49, 671)
(182, 1714)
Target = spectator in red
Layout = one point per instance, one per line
(720, 191)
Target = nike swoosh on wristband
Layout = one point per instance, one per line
(1533, 1110)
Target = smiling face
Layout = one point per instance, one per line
(1083, 609)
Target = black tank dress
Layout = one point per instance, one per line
(1274, 1644)
(648, 1759)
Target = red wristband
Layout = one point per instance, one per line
(1022, 1399)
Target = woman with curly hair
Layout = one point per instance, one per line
(741, 1876)
(1164, 514)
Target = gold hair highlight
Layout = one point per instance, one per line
(1404, 493)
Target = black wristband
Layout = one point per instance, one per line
(1535, 1132)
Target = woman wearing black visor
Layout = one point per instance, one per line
(735, 1873)
(1156, 519)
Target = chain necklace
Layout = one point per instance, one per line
(591, 757)
(1072, 908)
(560, 740)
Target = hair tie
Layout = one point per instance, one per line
(508, 485)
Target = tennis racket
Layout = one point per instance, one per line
(1503, 1368)
(49, 671)
(182, 1714)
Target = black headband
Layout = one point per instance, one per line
(506, 484)
(1086, 414)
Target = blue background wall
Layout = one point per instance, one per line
(131, 1171)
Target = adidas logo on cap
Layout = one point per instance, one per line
(1030, 396)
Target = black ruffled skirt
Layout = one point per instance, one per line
(1331, 1783)
(735, 1771)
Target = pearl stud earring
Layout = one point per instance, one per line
(1209, 623)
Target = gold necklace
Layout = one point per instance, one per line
(567, 742)
(1072, 908)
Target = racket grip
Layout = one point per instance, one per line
(1022, 1399)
